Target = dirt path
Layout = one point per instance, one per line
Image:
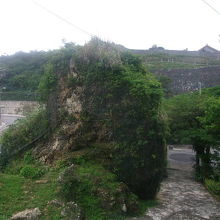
(181, 197)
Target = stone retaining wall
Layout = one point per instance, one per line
(186, 80)
(18, 107)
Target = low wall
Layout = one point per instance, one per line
(18, 107)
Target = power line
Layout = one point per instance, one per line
(212, 7)
(62, 19)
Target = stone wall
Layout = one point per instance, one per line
(177, 53)
(18, 107)
(185, 80)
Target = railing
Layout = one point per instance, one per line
(6, 156)
(19, 96)
(23, 135)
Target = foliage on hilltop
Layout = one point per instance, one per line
(21, 72)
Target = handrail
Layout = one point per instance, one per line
(4, 158)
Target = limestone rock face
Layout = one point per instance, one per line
(28, 214)
(68, 105)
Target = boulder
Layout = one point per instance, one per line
(72, 211)
(56, 203)
(28, 214)
(41, 181)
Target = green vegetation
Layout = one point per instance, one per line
(164, 61)
(213, 187)
(194, 119)
(127, 102)
(31, 172)
(47, 82)
(21, 73)
(116, 157)
(97, 191)
(57, 65)
(94, 188)
(19, 193)
(22, 70)
(18, 136)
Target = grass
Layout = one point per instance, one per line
(146, 204)
(20, 188)
(213, 187)
(91, 186)
(100, 194)
(165, 61)
(18, 194)
(169, 66)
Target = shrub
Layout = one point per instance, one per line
(213, 186)
(47, 83)
(19, 135)
(31, 172)
(28, 158)
(96, 190)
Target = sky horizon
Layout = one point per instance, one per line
(28, 25)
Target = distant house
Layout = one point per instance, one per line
(208, 49)
(155, 48)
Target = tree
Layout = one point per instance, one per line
(195, 119)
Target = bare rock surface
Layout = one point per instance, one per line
(56, 203)
(181, 197)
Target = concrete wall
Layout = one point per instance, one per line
(18, 107)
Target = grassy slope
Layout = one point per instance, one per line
(158, 61)
(18, 194)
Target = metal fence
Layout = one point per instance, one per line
(19, 96)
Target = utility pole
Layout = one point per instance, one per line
(200, 88)
(0, 116)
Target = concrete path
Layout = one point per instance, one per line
(181, 197)
(8, 119)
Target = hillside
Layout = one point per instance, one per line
(96, 148)
(21, 72)
(183, 71)
(158, 58)
(103, 117)
(179, 71)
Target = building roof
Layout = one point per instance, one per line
(208, 49)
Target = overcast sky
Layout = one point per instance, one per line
(137, 24)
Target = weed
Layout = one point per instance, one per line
(213, 187)
(31, 172)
